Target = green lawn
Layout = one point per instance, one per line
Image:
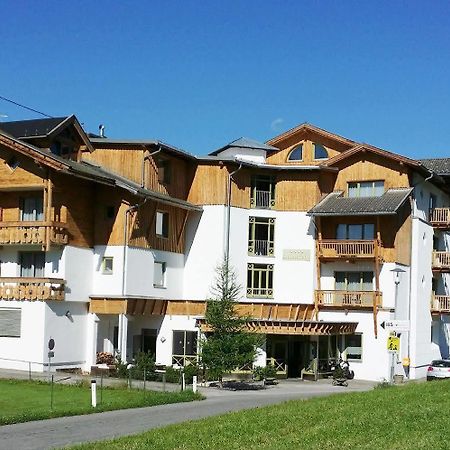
(21, 401)
(415, 416)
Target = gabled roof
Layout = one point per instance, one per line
(305, 127)
(362, 148)
(335, 204)
(90, 172)
(440, 166)
(244, 143)
(43, 128)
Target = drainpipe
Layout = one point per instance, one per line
(227, 222)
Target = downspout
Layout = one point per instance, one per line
(227, 222)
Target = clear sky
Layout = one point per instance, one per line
(198, 74)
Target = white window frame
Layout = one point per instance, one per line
(4, 333)
(162, 217)
(105, 269)
(344, 352)
(164, 275)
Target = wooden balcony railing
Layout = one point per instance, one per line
(19, 288)
(335, 248)
(440, 303)
(260, 292)
(259, 247)
(349, 299)
(440, 217)
(33, 233)
(441, 261)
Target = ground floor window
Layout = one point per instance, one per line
(352, 349)
(10, 322)
(184, 347)
(145, 342)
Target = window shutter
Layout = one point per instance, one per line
(10, 321)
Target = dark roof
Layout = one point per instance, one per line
(335, 204)
(244, 143)
(441, 166)
(32, 128)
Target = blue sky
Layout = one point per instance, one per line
(200, 74)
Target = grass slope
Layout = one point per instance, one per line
(415, 416)
(21, 401)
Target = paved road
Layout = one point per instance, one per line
(65, 431)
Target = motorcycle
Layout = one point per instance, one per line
(341, 372)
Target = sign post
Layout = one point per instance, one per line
(51, 353)
(393, 347)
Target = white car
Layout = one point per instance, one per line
(439, 368)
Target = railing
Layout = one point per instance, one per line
(19, 288)
(357, 299)
(335, 248)
(260, 247)
(32, 233)
(260, 292)
(440, 303)
(262, 199)
(440, 217)
(184, 360)
(279, 364)
(441, 260)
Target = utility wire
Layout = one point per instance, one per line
(25, 107)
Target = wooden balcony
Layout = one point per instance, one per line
(348, 249)
(441, 261)
(348, 299)
(440, 303)
(31, 289)
(440, 217)
(33, 233)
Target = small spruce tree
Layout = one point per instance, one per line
(228, 345)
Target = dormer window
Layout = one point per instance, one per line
(320, 152)
(296, 154)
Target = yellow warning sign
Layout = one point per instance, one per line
(393, 344)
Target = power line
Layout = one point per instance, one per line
(25, 107)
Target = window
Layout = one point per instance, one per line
(164, 171)
(32, 264)
(366, 188)
(365, 231)
(263, 192)
(110, 212)
(31, 209)
(145, 342)
(260, 280)
(320, 152)
(261, 236)
(159, 274)
(13, 163)
(353, 281)
(10, 321)
(296, 154)
(162, 224)
(184, 347)
(107, 265)
(353, 347)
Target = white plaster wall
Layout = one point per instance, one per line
(69, 333)
(78, 267)
(15, 353)
(107, 284)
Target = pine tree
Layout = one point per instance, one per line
(228, 344)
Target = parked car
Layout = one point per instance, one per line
(439, 368)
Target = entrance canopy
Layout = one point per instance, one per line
(294, 327)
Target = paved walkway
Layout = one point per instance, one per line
(65, 431)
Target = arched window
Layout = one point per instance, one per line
(296, 154)
(320, 152)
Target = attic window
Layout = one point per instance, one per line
(296, 154)
(164, 171)
(320, 152)
(13, 163)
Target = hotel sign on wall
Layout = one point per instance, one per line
(296, 254)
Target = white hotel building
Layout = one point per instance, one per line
(111, 245)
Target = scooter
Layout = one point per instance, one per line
(341, 373)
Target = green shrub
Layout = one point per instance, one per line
(173, 375)
(261, 373)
